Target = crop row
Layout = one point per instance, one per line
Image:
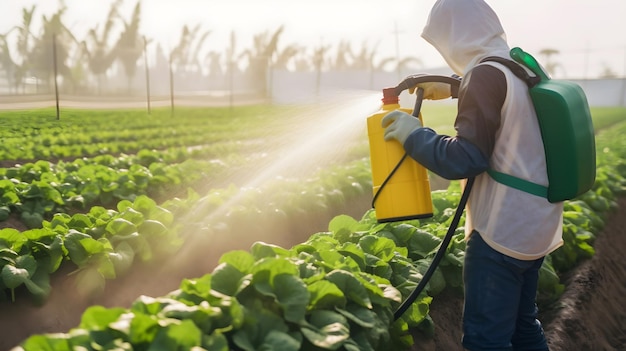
(39, 190)
(337, 290)
(102, 243)
(28, 136)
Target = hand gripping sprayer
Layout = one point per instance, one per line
(400, 184)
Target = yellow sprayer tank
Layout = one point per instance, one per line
(406, 194)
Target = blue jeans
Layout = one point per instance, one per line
(500, 311)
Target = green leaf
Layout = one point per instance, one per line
(359, 315)
(417, 311)
(24, 272)
(259, 323)
(151, 227)
(4, 213)
(132, 215)
(141, 328)
(13, 238)
(240, 259)
(272, 266)
(325, 294)
(79, 222)
(350, 286)
(121, 226)
(422, 244)
(215, 342)
(75, 243)
(342, 227)
(291, 294)
(326, 329)
(261, 250)
(403, 232)
(280, 341)
(47, 342)
(227, 279)
(380, 247)
(179, 336)
(32, 219)
(12, 276)
(354, 251)
(99, 317)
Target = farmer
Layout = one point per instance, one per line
(508, 232)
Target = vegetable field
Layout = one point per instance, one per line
(238, 229)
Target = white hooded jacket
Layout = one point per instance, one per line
(513, 222)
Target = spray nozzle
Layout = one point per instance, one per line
(390, 96)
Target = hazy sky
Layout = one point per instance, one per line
(590, 35)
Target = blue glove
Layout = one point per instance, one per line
(399, 125)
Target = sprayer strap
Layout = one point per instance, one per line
(518, 183)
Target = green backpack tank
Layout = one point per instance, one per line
(566, 130)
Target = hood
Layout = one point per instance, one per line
(464, 32)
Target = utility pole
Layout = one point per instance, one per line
(171, 87)
(54, 62)
(623, 99)
(396, 33)
(145, 56)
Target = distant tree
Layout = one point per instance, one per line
(260, 58)
(547, 63)
(319, 61)
(129, 46)
(213, 62)
(16, 64)
(55, 38)
(607, 72)
(286, 56)
(186, 55)
(303, 61)
(97, 49)
(343, 56)
(6, 62)
(364, 60)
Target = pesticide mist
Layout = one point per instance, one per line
(311, 138)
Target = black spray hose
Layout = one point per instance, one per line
(407, 83)
(440, 252)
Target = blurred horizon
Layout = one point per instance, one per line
(589, 33)
(573, 40)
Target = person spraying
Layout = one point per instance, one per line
(508, 231)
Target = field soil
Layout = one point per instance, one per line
(591, 315)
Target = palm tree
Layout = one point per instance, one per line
(56, 39)
(213, 62)
(319, 60)
(364, 60)
(6, 61)
(343, 56)
(130, 45)
(99, 54)
(185, 56)
(548, 64)
(285, 56)
(17, 66)
(260, 58)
